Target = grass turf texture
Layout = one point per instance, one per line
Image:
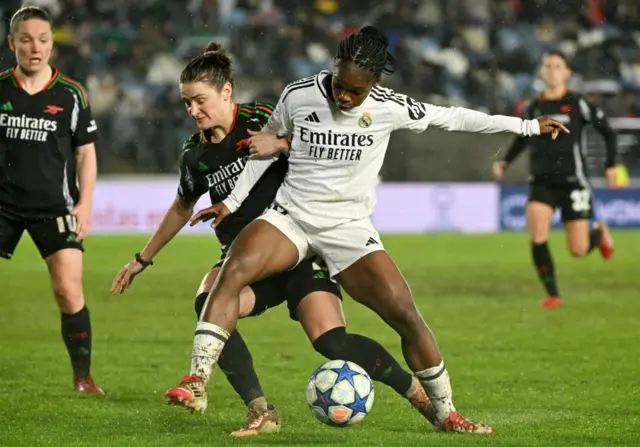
(568, 376)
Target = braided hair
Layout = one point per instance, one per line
(368, 50)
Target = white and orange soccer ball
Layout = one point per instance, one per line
(340, 393)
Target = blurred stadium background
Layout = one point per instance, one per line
(481, 54)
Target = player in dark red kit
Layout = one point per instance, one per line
(47, 137)
(558, 173)
(211, 161)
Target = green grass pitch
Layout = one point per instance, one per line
(569, 376)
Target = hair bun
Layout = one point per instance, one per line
(213, 47)
(375, 34)
(216, 50)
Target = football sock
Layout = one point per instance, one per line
(208, 343)
(436, 383)
(336, 344)
(544, 266)
(76, 333)
(595, 239)
(237, 365)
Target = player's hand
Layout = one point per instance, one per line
(263, 145)
(611, 176)
(82, 213)
(549, 125)
(498, 170)
(125, 277)
(216, 212)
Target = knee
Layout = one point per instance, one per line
(578, 249)
(332, 343)
(68, 294)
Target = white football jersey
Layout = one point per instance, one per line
(336, 155)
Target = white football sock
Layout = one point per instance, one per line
(435, 381)
(207, 346)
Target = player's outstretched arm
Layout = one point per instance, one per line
(173, 221)
(467, 120)
(419, 116)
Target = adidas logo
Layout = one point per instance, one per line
(7, 107)
(313, 118)
(372, 241)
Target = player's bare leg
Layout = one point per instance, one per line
(65, 271)
(259, 251)
(582, 238)
(539, 222)
(376, 282)
(236, 363)
(321, 316)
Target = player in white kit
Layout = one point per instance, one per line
(338, 125)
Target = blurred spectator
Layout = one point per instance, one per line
(482, 54)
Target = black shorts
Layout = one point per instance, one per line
(311, 275)
(49, 235)
(574, 200)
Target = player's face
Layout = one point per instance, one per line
(206, 105)
(351, 84)
(554, 71)
(32, 43)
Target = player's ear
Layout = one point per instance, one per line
(11, 45)
(377, 81)
(227, 91)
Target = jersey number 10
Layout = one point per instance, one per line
(66, 224)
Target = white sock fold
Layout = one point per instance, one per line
(437, 385)
(208, 343)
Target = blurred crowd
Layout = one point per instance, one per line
(479, 53)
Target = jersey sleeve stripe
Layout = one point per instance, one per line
(5, 74)
(267, 105)
(297, 87)
(264, 114)
(264, 109)
(77, 88)
(380, 98)
(246, 110)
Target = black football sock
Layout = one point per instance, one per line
(336, 344)
(76, 333)
(544, 266)
(237, 364)
(595, 239)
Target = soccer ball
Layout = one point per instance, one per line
(340, 393)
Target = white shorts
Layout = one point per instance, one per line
(339, 246)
